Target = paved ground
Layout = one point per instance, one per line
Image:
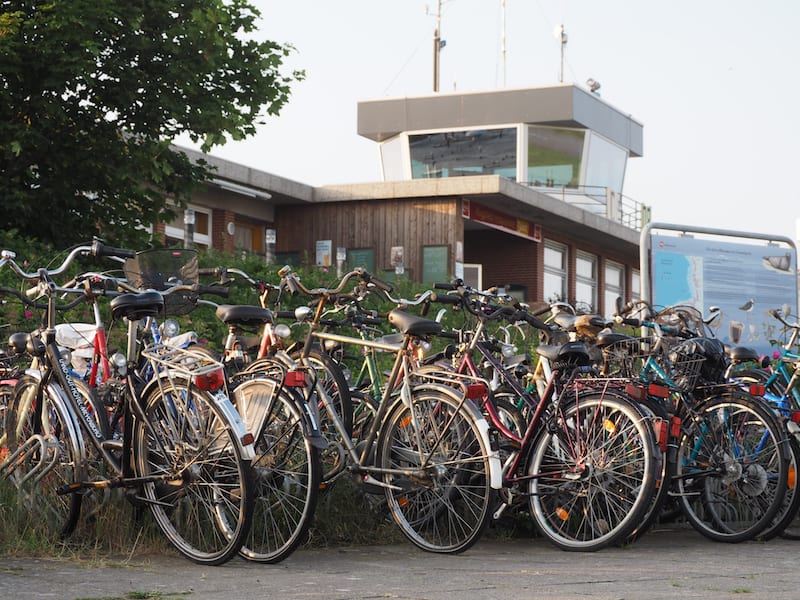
(667, 563)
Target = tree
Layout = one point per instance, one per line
(92, 94)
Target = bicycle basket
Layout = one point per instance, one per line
(626, 357)
(161, 268)
(712, 351)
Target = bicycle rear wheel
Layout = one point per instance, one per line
(200, 488)
(44, 453)
(593, 473)
(287, 472)
(732, 468)
(439, 493)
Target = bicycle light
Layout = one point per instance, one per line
(210, 381)
(120, 363)
(282, 330)
(170, 328)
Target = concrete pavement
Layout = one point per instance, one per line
(669, 562)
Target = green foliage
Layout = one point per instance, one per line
(92, 94)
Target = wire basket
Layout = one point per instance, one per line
(685, 370)
(162, 268)
(625, 358)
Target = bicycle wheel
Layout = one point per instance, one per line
(44, 453)
(439, 491)
(732, 468)
(287, 472)
(330, 377)
(198, 486)
(593, 473)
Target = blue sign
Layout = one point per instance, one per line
(745, 280)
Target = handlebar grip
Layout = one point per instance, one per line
(631, 322)
(444, 286)
(284, 314)
(445, 298)
(217, 290)
(99, 249)
(532, 320)
(214, 271)
(377, 282)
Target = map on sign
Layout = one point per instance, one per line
(745, 280)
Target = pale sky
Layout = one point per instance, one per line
(715, 84)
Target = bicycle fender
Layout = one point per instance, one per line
(235, 422)
(493, 453)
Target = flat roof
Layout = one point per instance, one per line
(563, 105)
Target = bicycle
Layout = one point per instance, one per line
(184, 451)
(727, 457)
(428, 447)
(585, 459)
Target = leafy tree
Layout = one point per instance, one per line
(92, 94)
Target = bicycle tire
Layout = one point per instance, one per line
(53, 436)
(593, 473)
(287, 475)
(201, 489)
(443, 507)
(727, 492)
(333, 381)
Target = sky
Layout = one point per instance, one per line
(715, 84)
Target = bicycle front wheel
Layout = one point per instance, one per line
(198, 486)
(732, 468)
(287, 471)
(438, 485)
(42, 454)
(592, 473)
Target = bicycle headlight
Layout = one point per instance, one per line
(282, 331)
(170, 328)
(120, 363)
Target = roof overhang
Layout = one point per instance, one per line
(564, 105)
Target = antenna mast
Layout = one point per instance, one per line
(437, 45)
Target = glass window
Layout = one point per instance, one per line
(555, 272)
(460, 153)
(175, 230)
(586, 282)
(615, 286)
(554, 156)
(636, 285)
(605, 165)
(392, 159)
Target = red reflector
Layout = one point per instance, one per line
(210, 381)
(795, 416)
(675, 427)
(248, 439)
(476, 390)
(661, 430)
(635, 391)
(659, 391)
(757, 389)
(296, 379)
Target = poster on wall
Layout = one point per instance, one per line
(324, 253)
(744, 280)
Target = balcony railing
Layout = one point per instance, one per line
(602, 201)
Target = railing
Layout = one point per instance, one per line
(601, 201)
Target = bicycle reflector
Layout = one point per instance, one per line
(296, 379)
(476, 390)
(757, 389)
(213, 380)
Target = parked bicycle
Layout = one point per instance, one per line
(184, 451)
